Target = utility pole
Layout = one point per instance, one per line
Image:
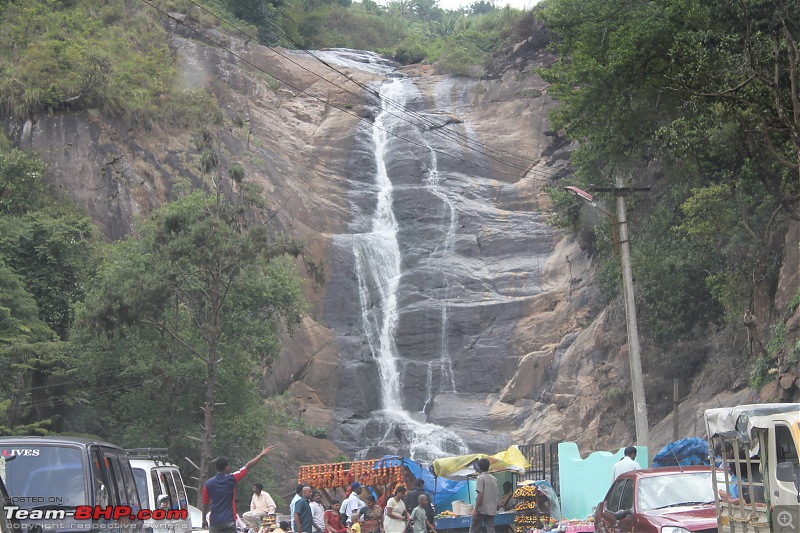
(675, 407)
(634, 349)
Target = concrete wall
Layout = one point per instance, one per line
(584, 482)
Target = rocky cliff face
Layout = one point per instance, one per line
(498, 334)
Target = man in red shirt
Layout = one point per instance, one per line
(219, 494)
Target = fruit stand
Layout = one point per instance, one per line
(532, 509)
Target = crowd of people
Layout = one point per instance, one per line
(399, 512)
(360, 512)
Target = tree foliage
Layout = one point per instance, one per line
(45, 253)
(700, 101)
(91, 54)
(213, 291)
(27, 347)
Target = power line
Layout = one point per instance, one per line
(386, 282)
(115, 389)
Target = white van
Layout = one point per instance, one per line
(160, 486)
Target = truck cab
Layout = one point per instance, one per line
(757, 481)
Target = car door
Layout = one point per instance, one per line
(608, 523)
(626, 501)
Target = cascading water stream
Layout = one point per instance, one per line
(378, 269)
(447, 382)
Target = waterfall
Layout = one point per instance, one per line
(435, 270)
(377, 257)
(432, 182)
(378, 270)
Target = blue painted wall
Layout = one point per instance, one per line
(584, 482)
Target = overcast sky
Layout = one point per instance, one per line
(455, 4)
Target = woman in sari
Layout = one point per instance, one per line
(371, 517)
(333, 523)
(396, 515)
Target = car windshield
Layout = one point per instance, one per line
(673, 490)
(44, 476)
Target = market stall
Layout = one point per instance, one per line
(377, 475)
(454, 475)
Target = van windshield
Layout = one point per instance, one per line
(141, 484)
(44, 476)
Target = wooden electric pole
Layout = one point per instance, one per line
(634, 349)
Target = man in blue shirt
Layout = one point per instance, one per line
(298, 495)
(303, 518)
(219, 494)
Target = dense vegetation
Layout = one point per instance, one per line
(157, 340)
(701, 101)
(113, 57)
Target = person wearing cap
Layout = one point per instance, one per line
(353, 504)
(626, 464)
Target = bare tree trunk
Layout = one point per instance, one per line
(211, 383)
(208, 424)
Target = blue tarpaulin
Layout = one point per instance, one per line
(683, 452)
(445, 490)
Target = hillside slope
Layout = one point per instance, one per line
(538, 356)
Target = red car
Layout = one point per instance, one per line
(659, 500)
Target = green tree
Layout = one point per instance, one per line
(700, 101)
(47, 247)
(22, 187)
(739, 63)
(482, 7)
(27, 346)
(199, 276)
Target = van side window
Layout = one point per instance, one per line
(130, 485)
(182, 501)
(157, 489)
(786, 450)
(166, 477)
(99, 486)
(140, 476)
(118, 495)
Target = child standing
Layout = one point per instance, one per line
(419, 519)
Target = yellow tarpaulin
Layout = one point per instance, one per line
(460, 467)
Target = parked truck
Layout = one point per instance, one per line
(756, 467)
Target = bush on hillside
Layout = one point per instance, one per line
(93, 55)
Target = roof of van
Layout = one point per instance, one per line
(54, 440)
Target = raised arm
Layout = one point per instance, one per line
(252, 462)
